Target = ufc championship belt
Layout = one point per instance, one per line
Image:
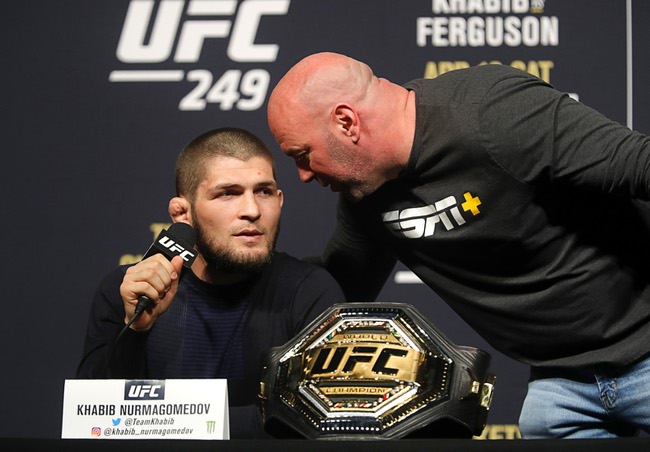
(374, 371)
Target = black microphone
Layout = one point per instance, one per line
(179, 240)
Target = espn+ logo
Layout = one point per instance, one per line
(144, 390)
(421, 222)
(156, 31)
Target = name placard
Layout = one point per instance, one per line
(146, 409)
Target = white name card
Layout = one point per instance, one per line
(146, 409)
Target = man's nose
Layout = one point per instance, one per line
(305, 174)
(249, 207)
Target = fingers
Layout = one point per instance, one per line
(155, 277)
(177, 263)
(151, 277)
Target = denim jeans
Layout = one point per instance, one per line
(598, 402)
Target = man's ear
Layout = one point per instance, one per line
(346, 120)
(281, 197)
(180, 210)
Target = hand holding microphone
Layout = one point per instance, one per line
(149, 286)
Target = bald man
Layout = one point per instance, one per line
(525, 210)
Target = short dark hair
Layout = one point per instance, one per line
(224, 142)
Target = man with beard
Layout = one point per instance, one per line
(240, 297)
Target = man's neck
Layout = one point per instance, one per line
(405, 133)
(409, 124)
(215, 277)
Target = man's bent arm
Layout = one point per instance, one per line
(358, 264)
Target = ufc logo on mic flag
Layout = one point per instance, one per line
(176, 249)
(173, 243)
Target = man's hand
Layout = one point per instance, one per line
(155, 277)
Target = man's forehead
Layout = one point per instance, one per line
(228, 162)
(231, 168)
(291, 144)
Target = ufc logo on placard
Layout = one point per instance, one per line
(144, 390)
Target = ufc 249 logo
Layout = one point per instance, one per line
(192, 33)
(175, 31)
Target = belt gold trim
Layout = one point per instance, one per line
(374, 370)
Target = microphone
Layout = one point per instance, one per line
(179, 240)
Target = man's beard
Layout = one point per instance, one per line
(228, 260)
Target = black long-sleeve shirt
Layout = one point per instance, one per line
(211, 331)
(525, 210)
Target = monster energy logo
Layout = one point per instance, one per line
(211, 425)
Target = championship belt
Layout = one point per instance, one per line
(374, 371)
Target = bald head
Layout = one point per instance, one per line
(319, 81)
(345, 128)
